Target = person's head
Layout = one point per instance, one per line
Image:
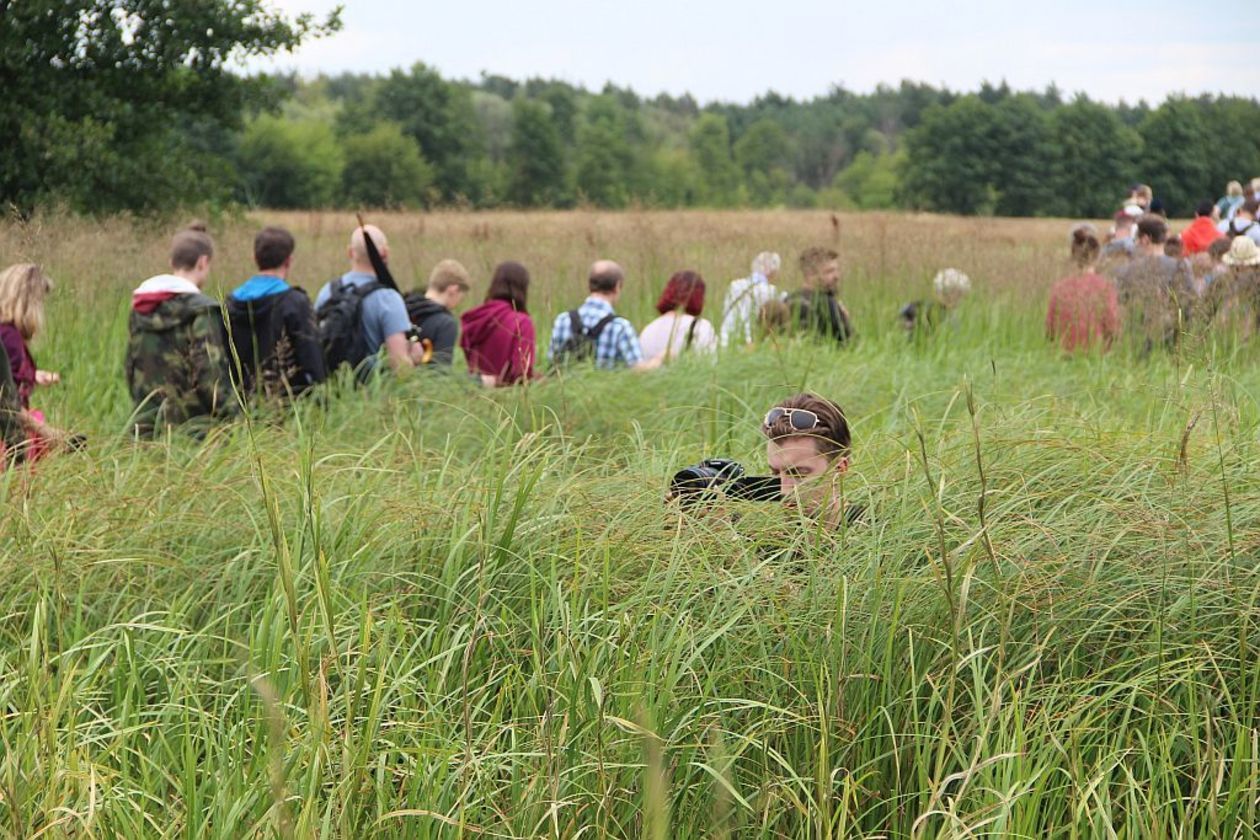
(1243, 254)
(1144, 195)
(191, 252)
(1157, 208)
(448, 283)
(1205, 209)
(774, 316)
(1217, 250)
(359, 260)
(950, 286)
(820, 268)
(273, 250)
(1085, 247)
(1124, 225)
(606, 279)
(767, 264)
(808, 447)
(1255, 186)
(23, 289)
(510, 283)
(685, 291)
(1234, 189)
(1173, 247)
(1248, 209)
(1152, 231)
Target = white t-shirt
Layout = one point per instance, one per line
(671, 331)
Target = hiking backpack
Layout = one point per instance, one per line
(339, 322)
(580, 345)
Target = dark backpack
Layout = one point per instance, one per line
(1232, 233)
(580, 345)
(339, 322)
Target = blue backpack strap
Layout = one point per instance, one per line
(575, 324)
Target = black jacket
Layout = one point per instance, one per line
(821, 312)
(436, 323)
(276, 347)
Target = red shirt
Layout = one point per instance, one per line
(1199, 235)
(1083, 310)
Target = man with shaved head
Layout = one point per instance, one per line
(383, 321)
(595, 331)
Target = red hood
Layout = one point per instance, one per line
(146, 303)
(480, 322)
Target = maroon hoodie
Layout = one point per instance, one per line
(499, 341)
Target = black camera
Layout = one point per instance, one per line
(722, 475)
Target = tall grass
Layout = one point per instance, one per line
(438, 611)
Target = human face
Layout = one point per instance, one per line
(829, 275)
(453, 297)
(806, 476)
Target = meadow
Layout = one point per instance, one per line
(430, 610)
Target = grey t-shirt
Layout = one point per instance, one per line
(384, 312)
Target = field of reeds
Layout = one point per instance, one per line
(432, 610)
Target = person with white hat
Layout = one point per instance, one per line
(922, 317)
(1233, 299)
(746, 296)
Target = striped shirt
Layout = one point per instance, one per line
(618, 344)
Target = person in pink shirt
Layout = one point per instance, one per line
(1084, 311)
(497, 337)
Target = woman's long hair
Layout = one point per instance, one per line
(685, 291)
(23, 288)
(511, 283)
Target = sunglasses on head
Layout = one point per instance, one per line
(801, 419)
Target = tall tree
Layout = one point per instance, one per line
(949, 166)
(96, 92)
(1175, 155)
(535, 157)
(440, 116)
(384, 168)
(710, 144)
(1096, 155)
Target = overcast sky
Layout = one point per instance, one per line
(734, 50)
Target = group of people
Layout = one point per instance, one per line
(192, 361)
(1155, 285)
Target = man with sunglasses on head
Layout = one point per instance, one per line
(808, 447)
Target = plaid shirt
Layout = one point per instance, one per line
(616, 346)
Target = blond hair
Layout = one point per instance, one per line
(449, 273)
(23, 288)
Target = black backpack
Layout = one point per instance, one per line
(580, 345)
(339, 322)
(1232, 233)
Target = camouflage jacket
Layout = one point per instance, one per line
(177, 367)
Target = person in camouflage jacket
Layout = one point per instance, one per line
(177, 364)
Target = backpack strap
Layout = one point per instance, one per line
(575, 323)
(691, 333)
(594, 332)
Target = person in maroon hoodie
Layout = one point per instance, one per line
(23, 290)
(497, 337)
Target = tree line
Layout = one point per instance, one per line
(119, 109)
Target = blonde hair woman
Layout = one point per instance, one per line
(23, 289)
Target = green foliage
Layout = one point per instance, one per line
(607, 165)
(1096, 152)
(97, 96)
(384, 168)
(949, 163)
(870, 182)
(289, 164)
(440, 116)
(535, 157)
(710, 145)
(1176, 154)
